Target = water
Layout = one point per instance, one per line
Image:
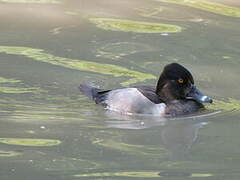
(44, 52)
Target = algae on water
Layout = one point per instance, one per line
(7, 80)
(83, 65)
(32, 1)
(144, 174)
(228, 105)
(30, 141)
(16, 90)
(13, 86)
(209, 6)
(9, 153)
(134, 26)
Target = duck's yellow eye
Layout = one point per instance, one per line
(180, 80)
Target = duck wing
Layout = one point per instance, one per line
(150, 93)
(100, 95)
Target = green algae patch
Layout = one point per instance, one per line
(11, 86)
(15, 90)
(202, 175)
(6, 80)
(134, 26)
(227, 57)
(31, 1)
(228, 105)
(9, 153)
(30, 142)
(145, 174)
(204, 5)
(82, 65)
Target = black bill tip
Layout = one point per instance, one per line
(205, 99)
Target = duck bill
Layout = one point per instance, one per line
(196, 95)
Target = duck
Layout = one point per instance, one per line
(174, 94)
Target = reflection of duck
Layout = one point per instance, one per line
(178, 138)
(175, 94)
(176, 135)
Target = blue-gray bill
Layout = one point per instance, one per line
(198, 96)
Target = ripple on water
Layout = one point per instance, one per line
(167, 14)
(64, 164)
(120, 49)
(209, 6)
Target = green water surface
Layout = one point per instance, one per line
(51, 131)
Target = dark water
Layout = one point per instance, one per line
(44, 48)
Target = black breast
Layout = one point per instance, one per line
(182, 107)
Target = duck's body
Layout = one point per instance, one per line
(168, 99)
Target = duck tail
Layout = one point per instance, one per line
(89, 90)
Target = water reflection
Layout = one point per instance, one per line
(179, 138)
(177, 135)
